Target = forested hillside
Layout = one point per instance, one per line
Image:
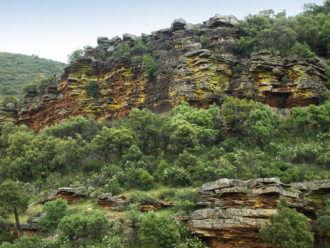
(17, 70)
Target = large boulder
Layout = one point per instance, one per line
(178, 24)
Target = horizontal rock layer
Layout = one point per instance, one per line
(233, 211)
(186, 72)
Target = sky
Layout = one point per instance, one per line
(52, 29)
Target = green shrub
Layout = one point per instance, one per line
(55, 211)
(139, 46)
(82, 226)
(188, 195)
(92, 88)
(137, 197)
(24, 242)
(158, 231)
(287, 228)
(186, 206)
(167, 45)
(167, 194)
(151, 65)
(236, 75)
(93, 166)
(5, 237)
(113, 186)
(206, 41)
(102, 54)
(302, 50)
(145, 180)
(9, 99)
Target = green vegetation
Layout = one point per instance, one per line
(151, 65)
(9, 99)
(92, 88)
(287, 228)
(40, 84)
(18, 70)
(13, 199)
(305, 34)
(77, 54)
(55, 212)
(323, 216)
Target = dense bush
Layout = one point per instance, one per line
(81, 226)
(55, 211)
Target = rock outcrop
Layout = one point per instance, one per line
(71, 194)
(108, 202)
(51, 197)
(232, 211)
(187, 71)
(120, 203)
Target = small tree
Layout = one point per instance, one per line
(158, 231)
(287, 228)
(55, 211)
(14, 199)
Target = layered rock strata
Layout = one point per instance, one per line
(233, 211)
(108, 202)
(70, 194)
(187, 71)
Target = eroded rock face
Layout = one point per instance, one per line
(120, 203)
(71, 194)
(8, 115)
(187, 72)
(108, 202)
(232, 211)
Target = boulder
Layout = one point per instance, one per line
(231, 204)
(114, 40)
(129, 37)
(178, 24)
(221, 21)
(101, 40)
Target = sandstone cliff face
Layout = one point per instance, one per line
(187, 72)
(233, 211)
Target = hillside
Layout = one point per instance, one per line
(197, 135)
(17, 70)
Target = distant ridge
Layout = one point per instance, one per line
(16, 70)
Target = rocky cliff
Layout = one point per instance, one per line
(232, 211)
(187, 71)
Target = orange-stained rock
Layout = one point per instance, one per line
(71, 194)
(186, 72)
(233, 211)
